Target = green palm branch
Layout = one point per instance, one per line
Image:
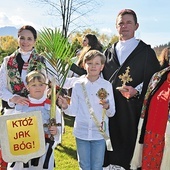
(58, 53)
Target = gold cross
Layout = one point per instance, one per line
(125, 77)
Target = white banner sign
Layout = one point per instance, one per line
(22, 136)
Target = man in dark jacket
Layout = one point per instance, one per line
(130, 63)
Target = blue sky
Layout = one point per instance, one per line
(153, 17)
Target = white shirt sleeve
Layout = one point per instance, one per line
(5, 94)
(139, 88)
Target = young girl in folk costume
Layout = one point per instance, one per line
(38, 101)
(92, 103)
(15, 67)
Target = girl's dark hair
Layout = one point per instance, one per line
(30, 28)
(93, 42)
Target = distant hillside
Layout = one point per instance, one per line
(159, 48)
(8, 30)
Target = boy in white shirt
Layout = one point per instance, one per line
(92, 102)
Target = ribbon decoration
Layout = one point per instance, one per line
(91, 111)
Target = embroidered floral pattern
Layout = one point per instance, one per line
(36, 63)
(154, 81)
(15, 81)
(153, 151)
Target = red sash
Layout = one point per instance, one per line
(154, 140)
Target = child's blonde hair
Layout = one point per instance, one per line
(35, 75)
(92, 54)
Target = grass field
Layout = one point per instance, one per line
(65, 154)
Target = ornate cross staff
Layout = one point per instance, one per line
(52, 120)
(102, 94)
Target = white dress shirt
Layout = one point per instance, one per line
(84, 126)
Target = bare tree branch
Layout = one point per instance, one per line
(69, 11)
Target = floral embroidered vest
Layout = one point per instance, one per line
(14, 81)
(151, 86)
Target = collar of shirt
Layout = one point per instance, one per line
(37, 101)
(125, 48)
(25, 55)
(86, 80)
